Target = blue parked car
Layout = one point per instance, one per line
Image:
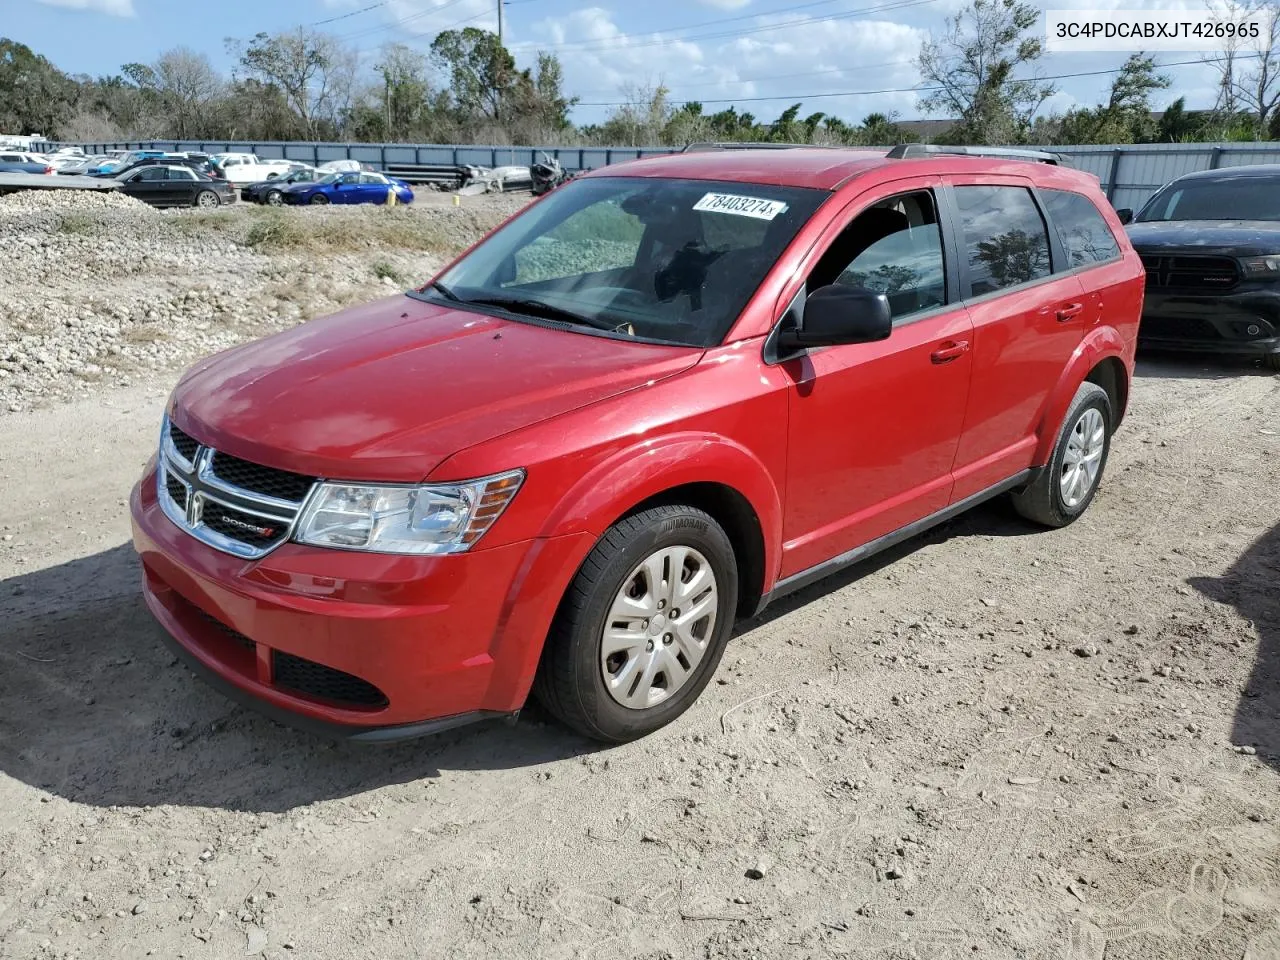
(348, 188)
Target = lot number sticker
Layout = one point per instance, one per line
(754, 207)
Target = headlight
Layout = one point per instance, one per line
(433, 518)
(1261, 266)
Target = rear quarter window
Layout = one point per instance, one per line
(1084, 233)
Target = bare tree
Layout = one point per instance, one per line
(971, 70)
(315, 72)
(1248, 70)
(187, 85)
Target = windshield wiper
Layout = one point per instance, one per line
(444, 291)
(540, 308)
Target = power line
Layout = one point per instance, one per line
(370, 31)
(609, 43)
(353, 13)
(916, 89)
(785, 76)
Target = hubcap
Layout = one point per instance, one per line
(208, 200)
(659, 626)
(1083, 458)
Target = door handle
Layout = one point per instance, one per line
(1069, 311)
(949, 351)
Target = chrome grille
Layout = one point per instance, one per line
(235, 506)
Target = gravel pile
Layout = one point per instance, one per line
(102, 289)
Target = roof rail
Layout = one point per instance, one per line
(744, 145)
(912, 151)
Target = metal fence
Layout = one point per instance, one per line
(1129, 173)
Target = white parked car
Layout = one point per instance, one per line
(249, 168)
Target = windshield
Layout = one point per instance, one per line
(330, 178)
(1233, 198)
(673, 261)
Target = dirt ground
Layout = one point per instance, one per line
(994, 742)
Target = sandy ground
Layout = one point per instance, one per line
(995, 742)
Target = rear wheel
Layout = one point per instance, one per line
(319, 199)
(1066, 487)
(643, 625)
(207, 200)
(274, 198)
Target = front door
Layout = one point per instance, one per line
(149, 185)
(1028, 316)
(874, 427)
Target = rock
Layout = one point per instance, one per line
(759, 871)
(139, 908)
(1086, 650)
(256, 941)
(1246, 750)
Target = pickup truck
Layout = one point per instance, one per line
(248, 168)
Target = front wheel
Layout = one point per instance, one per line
(275, 198)
(643, 625)
(207, 200)
(1272, 362)
(1066, 487)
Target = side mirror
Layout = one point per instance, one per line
(1125, 214)
(838, 314)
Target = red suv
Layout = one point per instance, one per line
(659, 397)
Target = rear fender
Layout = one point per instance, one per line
(1098, 345)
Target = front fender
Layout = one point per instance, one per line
(587, 509)
(640, 472)
(1097, 345)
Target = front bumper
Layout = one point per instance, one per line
(1245, 323)
(369, 647)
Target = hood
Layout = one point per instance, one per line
(1234, 238)
(299, 187)
(388, 390)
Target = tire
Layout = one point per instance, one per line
(1052, 499)
(319, 199)
(571, 681)
(1272, 362)
(274, 198)
(206, 200)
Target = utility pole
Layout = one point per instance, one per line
(500, 23)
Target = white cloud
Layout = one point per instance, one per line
(762, 63)
(115, 8)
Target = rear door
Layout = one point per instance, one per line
(1028, 318)
(373, 189)
(181, 185)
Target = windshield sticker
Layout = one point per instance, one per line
(755, 207)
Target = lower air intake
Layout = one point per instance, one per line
(325, 683)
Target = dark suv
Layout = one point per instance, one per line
(1210, 243)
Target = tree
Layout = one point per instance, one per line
(314, 72)
(642, 118)
(35, 96)
(971, 71)
(1126, 116)
(480, 70)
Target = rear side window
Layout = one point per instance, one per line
(1005, 239)
(1084, 233)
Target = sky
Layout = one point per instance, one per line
(843, 57)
